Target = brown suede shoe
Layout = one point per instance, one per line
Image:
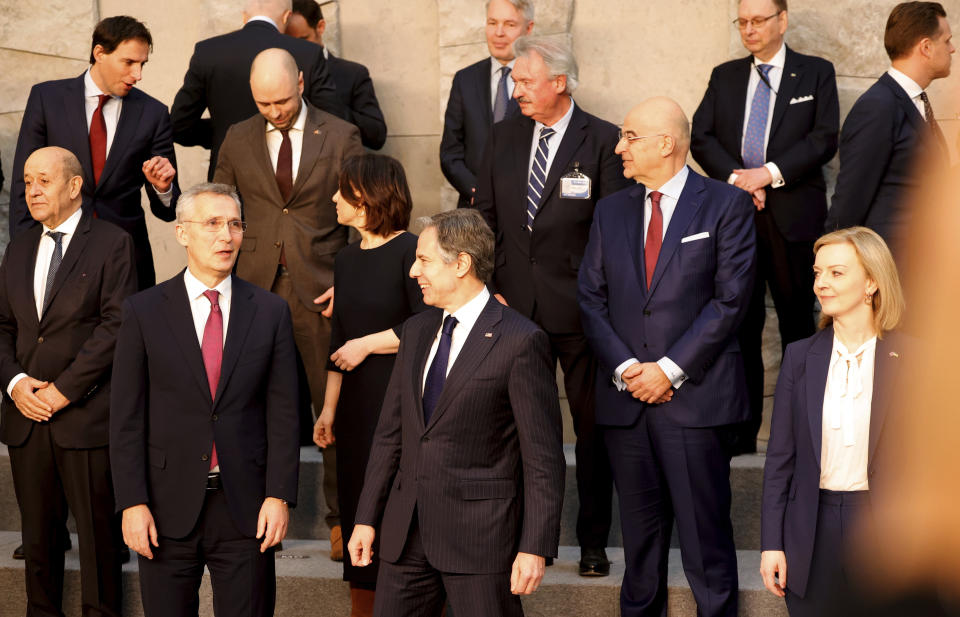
(336, 544)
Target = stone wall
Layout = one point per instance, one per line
(626, 51)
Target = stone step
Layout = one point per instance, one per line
(307, 519)
(308, 583)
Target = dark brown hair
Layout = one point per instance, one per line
(309, 10)
(383, 189)
(112, 31)
(908, 24)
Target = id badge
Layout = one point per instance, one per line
(575, 185)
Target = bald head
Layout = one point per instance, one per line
(52, 179)
(656, 141)
(277, 10)
(277, 86)
(662, 115)
(56, 157)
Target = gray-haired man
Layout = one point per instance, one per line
(542, 174)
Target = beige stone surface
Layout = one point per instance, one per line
(51, 27)
(420, 158)
(461, 22)
(332, 34)
(21, 70)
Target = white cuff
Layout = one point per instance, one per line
(775, 173)
(673, 372)
(13, 382)
(618, 373)
(166, 197)
(732, 179)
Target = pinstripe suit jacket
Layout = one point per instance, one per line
(486, 474)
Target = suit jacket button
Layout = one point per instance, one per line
(646, 313)
(644, 345)
(533, 261)
(40, 340)
(214, 417)
(426, 438)
(277, 244)
(204, 457)
(285, 211)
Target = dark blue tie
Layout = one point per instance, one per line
(502, 100)
(538, 176)
(437, 375)
(55, 260)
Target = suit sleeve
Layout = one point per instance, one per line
(781, 452)
(716, 324)
(536, 411)
(9, 365)
(611, 351)
(94, 358)
(322, 92)
(225, 172)
(33, 135)
(484, 200)
(866, 145)
(283, 420)
(705, 146)
(452, 144)
(365, 111)
(189, 128)
(128, 413)
(163, 146)
(820, 144)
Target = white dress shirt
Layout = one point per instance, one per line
(774, 77)
(42, 267)
(200, 306)
(553, 142)
(275, 138)
(466, 316)
(495, 67)
(669, 196)
(911, 87)
(847, 398)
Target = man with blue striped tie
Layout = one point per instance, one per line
(543, 171)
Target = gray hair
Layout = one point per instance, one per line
(185, 203)
(524, 7)
(464, 231)
(557, 56)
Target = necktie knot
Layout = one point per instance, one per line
(655, 199)
(214, 297)
(546, 132)
(103, 100)
(765, 69)
(449, 323)
(57, 236)
(504, 72)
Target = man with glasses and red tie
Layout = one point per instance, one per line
(767, 124)
(203, 423)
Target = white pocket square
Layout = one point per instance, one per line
(694, 237)
(801, 99)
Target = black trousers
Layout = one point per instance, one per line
(48, 478)
(411, 587)
(838, 514)
(243, 579)
(664, 471)
(788, 268)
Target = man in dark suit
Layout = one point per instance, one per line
(664, 283)
(469, 438)
(767, 124)
(61, 287)
(891, 128)
(292, 234)
(120, 135)
(203, 423)
(482, 94)
(216, 79)
(354, 87)
(542, 173)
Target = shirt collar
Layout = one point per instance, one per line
(326, 54)
(674, 186)
(468, 314)
(266, 19)
(495, 66)
(69, 226)
(195, 288)
(299, 124)
(778, 59)
(90, 87)
(560, 125)
(911, 87)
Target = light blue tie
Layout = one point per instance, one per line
(503, 95)
(754, 154)
(538, 176)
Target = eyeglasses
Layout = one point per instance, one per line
(212, 226)
(756, 22)
(632, 138)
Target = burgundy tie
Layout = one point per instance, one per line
(651, 249)
(285, 166)
(98, 139)
(212, 350)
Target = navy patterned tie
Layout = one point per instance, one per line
(437, 375)
(538, 176)
(503, 95)
(754, 152)
(55, 261)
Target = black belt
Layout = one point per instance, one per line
(213, 481)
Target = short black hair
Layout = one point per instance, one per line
(112, 31)
(384, 192)
(310, 11)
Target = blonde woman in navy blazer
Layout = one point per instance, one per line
(828, 418)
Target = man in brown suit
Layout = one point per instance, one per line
(285, 163)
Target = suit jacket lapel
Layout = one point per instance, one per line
(740, 101)
(572, 138)
(257, 138)
(424, 341)
(788, 86)
(687, 207)
(483, 87)
(313, 137)
(633, 224)
(130, 111)
(817, 367)
(75, 248)
(913, 114)
(29, 265)
(884, 369)
(520, 150)
(180, 320)
(75, 111)
(474, 350)
(242, 311)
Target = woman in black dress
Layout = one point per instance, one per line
(374, 296)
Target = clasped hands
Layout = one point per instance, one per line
(647, 382)
(37, 400)
(754, 182)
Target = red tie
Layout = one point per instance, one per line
(651, 249)
(212, 350)
(98, 139)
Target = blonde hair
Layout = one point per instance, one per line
(874, 255)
